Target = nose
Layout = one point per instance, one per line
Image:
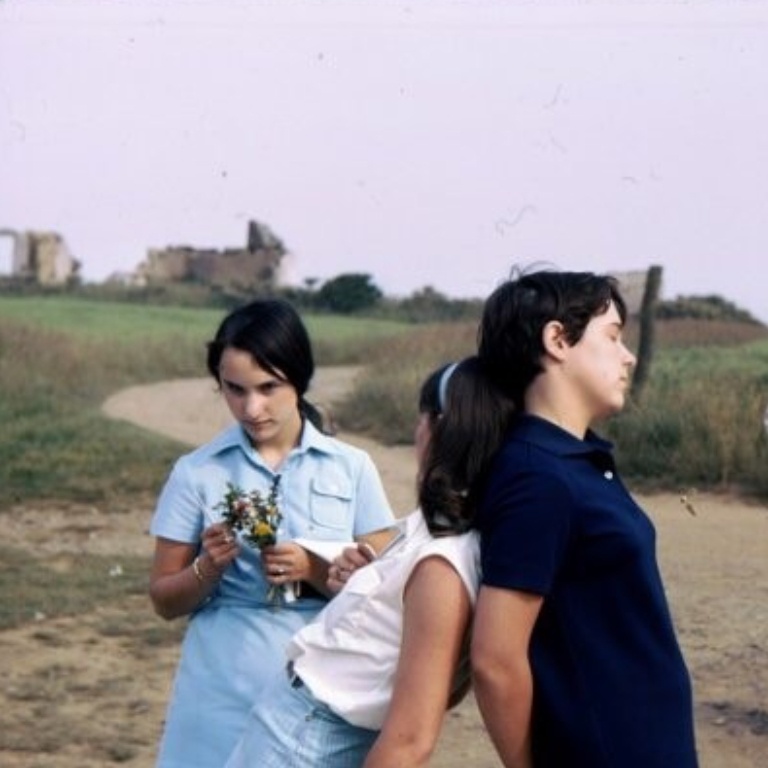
(630, 359)
(253, 405)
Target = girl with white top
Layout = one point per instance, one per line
(368, 682)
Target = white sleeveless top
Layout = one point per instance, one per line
(348, 655)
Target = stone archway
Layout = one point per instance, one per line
(14, 249)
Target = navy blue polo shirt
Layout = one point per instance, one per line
(610, 684)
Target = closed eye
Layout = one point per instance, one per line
(270, 387)
(233, 388)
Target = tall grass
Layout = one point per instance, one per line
(55, 443)
(700, 422)
(384, 401)
(61, 357)
(685, 333)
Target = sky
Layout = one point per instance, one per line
(425, 143)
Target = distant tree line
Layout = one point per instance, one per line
(353, 293)
(356, 293)
(710, 307)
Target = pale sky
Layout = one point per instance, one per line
(424, 142)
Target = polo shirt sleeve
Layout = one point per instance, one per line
(179, 512)
(527, 522)
(372, 509)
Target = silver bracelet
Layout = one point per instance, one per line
(196, 569)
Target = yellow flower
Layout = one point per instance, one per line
(262, 529)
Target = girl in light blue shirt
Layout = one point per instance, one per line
(261, 358)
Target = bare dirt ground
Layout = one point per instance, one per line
(91, 691)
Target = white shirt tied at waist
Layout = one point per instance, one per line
(348, 655)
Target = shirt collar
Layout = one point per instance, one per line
(312, 439)
(412, 532)
(552, 438)
(415, 526)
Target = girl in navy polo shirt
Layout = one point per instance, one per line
(576, 663)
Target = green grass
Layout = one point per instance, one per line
(699, 423)
(100, 320)
(64, 584)
(61, 357)
(700, 420)
(383, 404)
(122, 322)
(55, 443)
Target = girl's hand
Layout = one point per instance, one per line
(346, 564)
(219, 545)
(184, 574)
(286, 562)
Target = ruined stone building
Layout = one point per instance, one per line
(256, 265)
(40, 257)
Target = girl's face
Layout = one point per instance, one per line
(265, 405)
(599, 365)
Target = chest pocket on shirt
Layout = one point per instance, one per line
(330, 502)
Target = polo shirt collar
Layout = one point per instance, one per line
(552, 438)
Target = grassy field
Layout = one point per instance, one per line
(100, 320)
(60, 358)
(700, 422)
(75, 618)
(699, 425)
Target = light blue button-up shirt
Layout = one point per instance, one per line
(235, 640)
(328, 490)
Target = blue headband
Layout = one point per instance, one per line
(442, 386)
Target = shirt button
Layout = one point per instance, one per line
(608, 475)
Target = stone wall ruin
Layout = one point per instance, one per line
(257, 265)
(40, 257)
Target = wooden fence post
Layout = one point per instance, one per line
(646, 341)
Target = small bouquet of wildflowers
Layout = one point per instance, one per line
(258, 517)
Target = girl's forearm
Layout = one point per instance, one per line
(178, 594)
(505, 703)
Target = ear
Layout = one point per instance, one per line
(553, 339)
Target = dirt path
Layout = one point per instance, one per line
(93, 689)
(192, 411)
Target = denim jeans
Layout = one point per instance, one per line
(289, 728)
